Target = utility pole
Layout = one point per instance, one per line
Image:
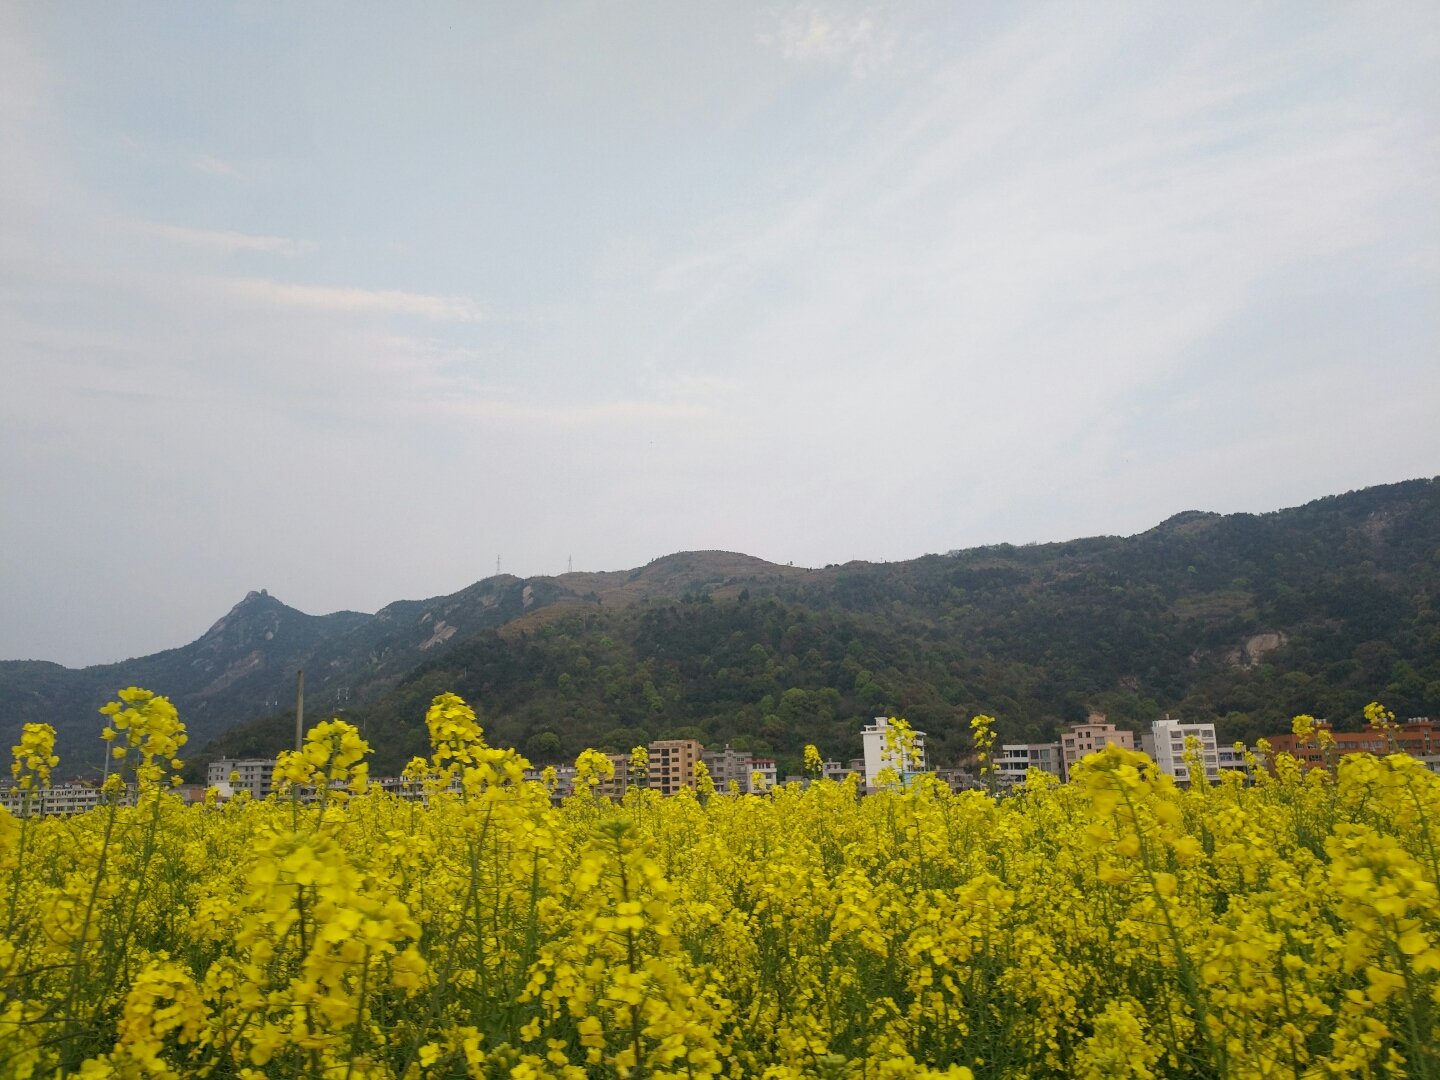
(299, 707)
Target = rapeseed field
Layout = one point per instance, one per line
(1280, 924)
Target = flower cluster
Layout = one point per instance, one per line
(145, 734)
(982, 733)
(592, 768)
(34, 757)
(332, 757)
(1280, 924)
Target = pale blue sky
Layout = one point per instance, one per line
(345, 300)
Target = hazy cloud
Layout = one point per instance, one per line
(213, 166)
(223, 241)
(826, 33)
(266, 291)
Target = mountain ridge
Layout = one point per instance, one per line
(1206, 582)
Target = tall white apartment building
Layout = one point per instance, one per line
(878, 758)
(1166, 744)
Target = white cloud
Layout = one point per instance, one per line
(823, 33)
(223, 241)
(214, 166)
(620, 412)
(268, 292)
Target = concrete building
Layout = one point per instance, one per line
(762, 769)
(616, 786)
(728, 765)
(672, 764)
(1016, 759)
(833, 770)
(1095, 734)
(1165, 743)
(959, 779)
(1418, 736)
(739, 766)
(256, 775)
(878, 756)
(57, 801)
(1230, 760)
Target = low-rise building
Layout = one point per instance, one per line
(959, 779)
(1231, 760)
(728, 766)
(762, 770)
(1418, 736)
(834, 770)
(616, 786)
(59, 800)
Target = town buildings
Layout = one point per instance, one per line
(833, 770)
(56, 801)
(1418, 736)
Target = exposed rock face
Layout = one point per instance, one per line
(443, 633)
(1261, 644)
(1254, 649)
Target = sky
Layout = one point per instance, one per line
(349, 301)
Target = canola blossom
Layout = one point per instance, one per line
(1284, 924)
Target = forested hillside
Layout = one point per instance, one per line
(1241, 619)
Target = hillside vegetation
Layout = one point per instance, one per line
(1241, 619)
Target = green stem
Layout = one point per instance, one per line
(359, 1014)
(77, 973)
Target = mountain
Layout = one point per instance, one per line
(244, 666)
(1243, 619)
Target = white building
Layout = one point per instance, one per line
(762, 769)
(60, 800)
(1016, 759)
(256, 775)
(878, 757)
(1166, 744)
